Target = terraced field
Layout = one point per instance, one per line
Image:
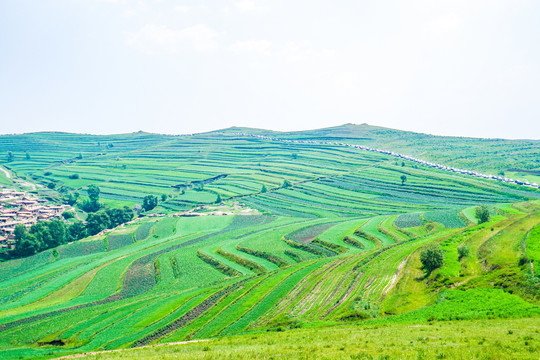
(333, 236)
(325, 180)
(152, 286)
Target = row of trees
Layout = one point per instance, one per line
(92, 204)
(11, 156)
(49, 234)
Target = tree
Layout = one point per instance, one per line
(92, 204)
(431, 258)
(10, 156)
(76, 231)
(263, 189)
(482, 214)
(97, 222)
(57, 230)
(19, 232)
(119, 216)
(402, 163)
(42, 234)
(27, 246)
(70, 198)
(286, 184)
(163, 197)
(79, 157)
(27, 155)
(403, 179)
(149, 202)
(93, 193)
(218, 199)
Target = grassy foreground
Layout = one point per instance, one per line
(480, 339)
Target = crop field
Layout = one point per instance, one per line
(305, 236)
(149, 285)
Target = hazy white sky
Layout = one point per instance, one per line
(455, 67)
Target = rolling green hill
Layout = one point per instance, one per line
(325, 177)
(320, 237)
(490, 155)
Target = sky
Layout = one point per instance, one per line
(445, 67)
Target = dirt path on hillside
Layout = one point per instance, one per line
(8, 175)
(392, 283)
(75, 356)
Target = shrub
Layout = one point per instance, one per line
(351, 241)
(68, 214)
(523, 259)
(463, 251)
(243, 262)
(264, 255)
(293, 255)
(303, 247)
(330, 246)
(74, 176)
(367, 236)
(218, 265)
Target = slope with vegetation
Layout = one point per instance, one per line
(338, 245)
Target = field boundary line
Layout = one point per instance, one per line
(75, 356)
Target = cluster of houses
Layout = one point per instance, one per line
(401, 156)
(18, 207)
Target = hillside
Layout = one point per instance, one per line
(490, 155)
(253, 237)
(128, 167)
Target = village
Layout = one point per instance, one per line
(19, 207)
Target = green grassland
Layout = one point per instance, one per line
(480, 339)
(336, 252)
